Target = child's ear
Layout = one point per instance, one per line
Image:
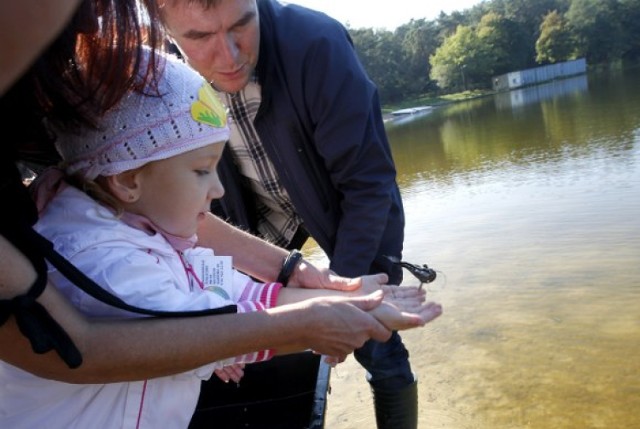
(125, 186)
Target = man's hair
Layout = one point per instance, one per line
(206, 4)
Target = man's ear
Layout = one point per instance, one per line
(126, 186)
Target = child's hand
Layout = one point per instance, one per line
(333, 361)
(405, 308)
(394, 293)
(231, 373)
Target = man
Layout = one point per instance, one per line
(308, 153)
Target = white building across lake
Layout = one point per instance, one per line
(521, 78)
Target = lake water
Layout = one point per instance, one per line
(528, 205)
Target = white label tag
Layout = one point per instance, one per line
(214, 271)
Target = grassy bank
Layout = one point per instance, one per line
(430, 100)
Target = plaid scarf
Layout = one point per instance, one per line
(277, 218)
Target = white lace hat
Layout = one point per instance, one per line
(187, 115)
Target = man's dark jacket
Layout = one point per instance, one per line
(321, 126)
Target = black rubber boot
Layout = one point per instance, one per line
(397, 409)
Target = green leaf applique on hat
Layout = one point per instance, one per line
(208, 109)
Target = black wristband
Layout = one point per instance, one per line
(288, 266)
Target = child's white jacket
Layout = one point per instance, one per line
(145, 271)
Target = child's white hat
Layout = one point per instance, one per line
(142, 128)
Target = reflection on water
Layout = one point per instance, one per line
(535, 94)
(531, 211)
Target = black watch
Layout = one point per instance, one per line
(288, 266)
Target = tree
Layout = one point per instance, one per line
(464, 49)
(448, 24)
(459, 61)
(630, 13)
(495, 33)
(555, 43)
(382, 57)
(525, 17)
(419, 39)
(598, 30)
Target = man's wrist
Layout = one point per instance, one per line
(288, 266)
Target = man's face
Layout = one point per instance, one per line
(220, 42)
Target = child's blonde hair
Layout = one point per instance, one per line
(97, 191)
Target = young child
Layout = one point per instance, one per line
(127, 216)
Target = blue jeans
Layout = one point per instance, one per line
(387, 363)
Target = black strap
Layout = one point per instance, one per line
(80, 280)
(288, 266)
(33, 320)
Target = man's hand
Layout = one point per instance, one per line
(307, 275)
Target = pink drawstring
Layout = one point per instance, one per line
(46, 186)
(143, 223)
(191, 273)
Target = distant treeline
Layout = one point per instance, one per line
(463, 50)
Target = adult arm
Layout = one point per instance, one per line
(125, 350)
(26, 28)
(402, 308)
(251, 255)
(263, 260)
(349, 135)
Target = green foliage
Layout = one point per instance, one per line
(382, 54)
(555, 43)
(495, 32)
(419, 42)
(464, 49)
(471, 56)
(597, 28)
(450, 60)
(630, 22)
